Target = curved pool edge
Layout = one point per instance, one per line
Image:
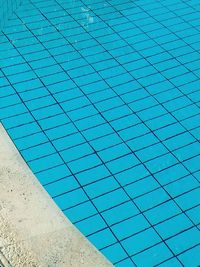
(33, 231)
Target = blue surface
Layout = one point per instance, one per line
(102, 99)
(7, 8)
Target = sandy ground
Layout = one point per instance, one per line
(33, 231)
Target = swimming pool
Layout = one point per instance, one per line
(102, 99)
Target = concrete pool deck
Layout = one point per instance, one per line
(33, 231)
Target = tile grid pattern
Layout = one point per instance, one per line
(7, 7)
(102, 100)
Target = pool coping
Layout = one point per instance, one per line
(33, 231)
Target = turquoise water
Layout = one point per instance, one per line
(102, 99)
(7, 7)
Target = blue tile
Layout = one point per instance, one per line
(173, 226)
(152, 199)
(132, 174)
(190, 257)
(101, 187)
(123, 163)
(96, 224)
(121, 212)
(61, 131)
(97, 132)
(114, 253)
(106, 141)
(110, 200)
(194, 214)
(62, 186)
(76, 152)
(93, 174)
(53, 121)
(181, 186)
(46, 112)
(114, 152)
(103, 104)
(133, 132)
(189, 199)
(174, 262)
(9, 111)
(158, 164)
(151, 152)
(45, 163)
(125, 228)
(162, 212)
(141, 187)
(9, 101)
(23, 130)
(76, 197)
(184, 241)
(171, 174)
(84, 163)
(125, 263)
(53, 174)
(141, 241)
(102, 239)
(153, 256)
(31, 141)
(80, 212)
(68, 141)
(18, 120)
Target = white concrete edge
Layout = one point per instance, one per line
(33, 231)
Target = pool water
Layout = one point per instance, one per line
(102, 99)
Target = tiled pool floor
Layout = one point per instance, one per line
(102, 99)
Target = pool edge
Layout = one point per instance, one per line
(31, 226)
